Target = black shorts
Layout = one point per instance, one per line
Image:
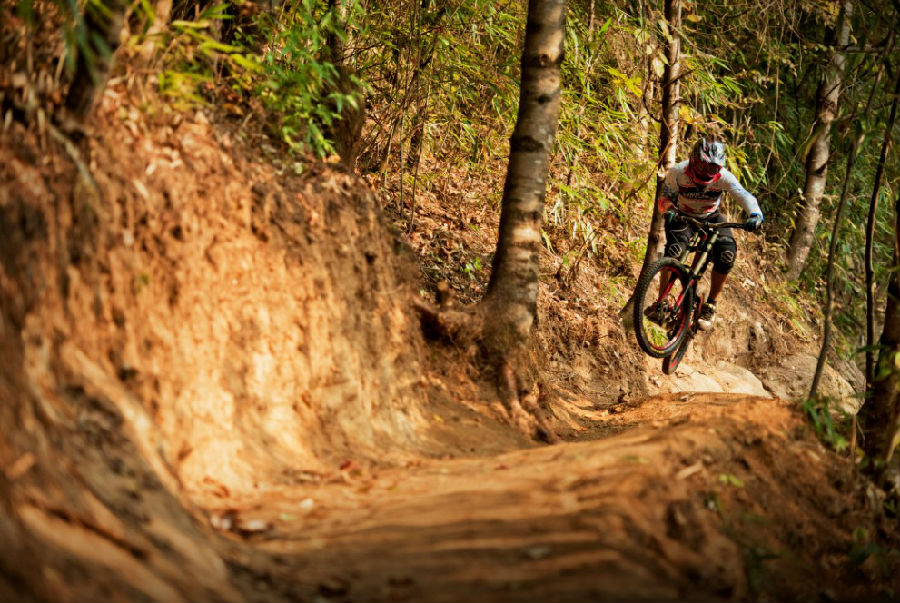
(678, 235)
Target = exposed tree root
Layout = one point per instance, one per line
(453, 326)
(518, 390)
(523, 405)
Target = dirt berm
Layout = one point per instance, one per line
(213, 388)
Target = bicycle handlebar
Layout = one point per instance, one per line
(710, 225)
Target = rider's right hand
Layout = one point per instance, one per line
(670, 215)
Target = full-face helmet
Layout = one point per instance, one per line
(707, 158)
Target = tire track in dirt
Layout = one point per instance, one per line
(643, 515)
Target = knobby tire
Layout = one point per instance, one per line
(671, 362)
(682, 311)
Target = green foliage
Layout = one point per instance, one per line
(731, 480)
(78, 40)
(25, 11)
(300, 82)
(863, 547)
(283, 61)
(818, 412)
(788, 300)
(601, 156)
(473, 267)
(192, 53)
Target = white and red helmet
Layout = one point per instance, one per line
(707, 159)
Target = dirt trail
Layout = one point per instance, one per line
(213, 389)
(694, 501)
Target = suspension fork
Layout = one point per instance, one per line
(703, 248)
(697, 239)
(702, 244)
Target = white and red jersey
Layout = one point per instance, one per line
(700, 200)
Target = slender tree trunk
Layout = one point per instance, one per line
(347, 130)
(827, 96)
(870, 240)
(668, 131)
(510, 303)
(648, 96)
(880, 414)
(419, 90)
(668, 138)
(423, 113)
(829, 270)
(103, 24)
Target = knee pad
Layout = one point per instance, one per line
(724, 255)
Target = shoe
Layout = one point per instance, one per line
(656, 313)
(707, 316)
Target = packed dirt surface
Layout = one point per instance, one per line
(214, 387)
(690, 499)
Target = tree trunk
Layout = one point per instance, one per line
(832, 248)
(347, 130)
(829, 270)
(510, 304)
(880, 414)
(668, 139)
(870, 240)
(827, 96)
(512, 290)
(103, 24)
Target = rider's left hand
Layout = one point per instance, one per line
(753, 223)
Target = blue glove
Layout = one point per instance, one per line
(753, 223)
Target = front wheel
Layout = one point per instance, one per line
(671, 362)
(662, 304)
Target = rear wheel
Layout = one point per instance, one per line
(662, 306)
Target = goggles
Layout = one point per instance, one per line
(707, 169)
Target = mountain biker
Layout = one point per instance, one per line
(694, 187)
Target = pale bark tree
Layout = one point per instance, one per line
(827, 97)
(668, 137)
(510, 304)
(855, 145)
(502, 323)
(512, 290)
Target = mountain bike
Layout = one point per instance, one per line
(666, 329)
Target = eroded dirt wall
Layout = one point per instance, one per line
(255, 318)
